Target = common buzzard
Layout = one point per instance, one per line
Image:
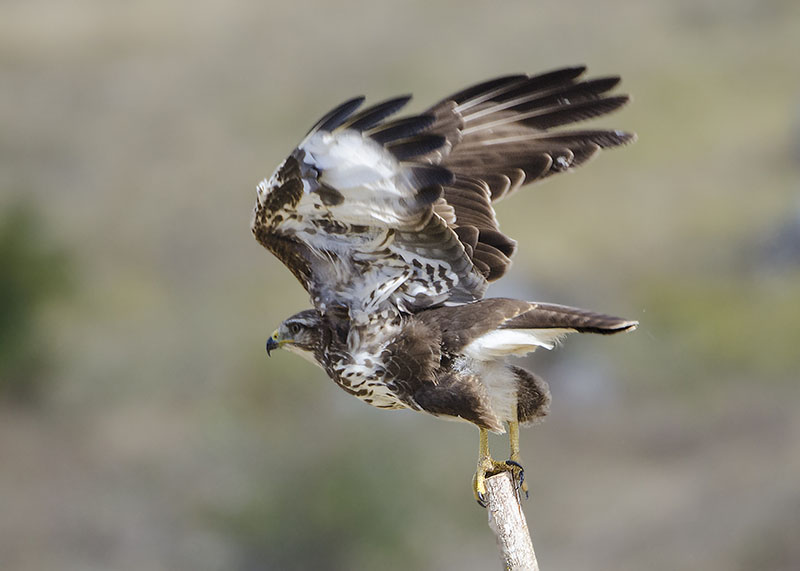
(389, 225)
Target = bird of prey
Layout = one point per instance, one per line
(450, 361)
(389, 225)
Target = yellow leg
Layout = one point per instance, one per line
(513, 444)
(483, 443)
(486, 467)
(513, 440)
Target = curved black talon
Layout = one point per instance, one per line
(518, 483)
(521, 471)
(482, 500)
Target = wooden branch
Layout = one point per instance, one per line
(508, 523)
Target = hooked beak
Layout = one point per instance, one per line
(272, 343)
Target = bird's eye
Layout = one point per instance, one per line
(294, 328)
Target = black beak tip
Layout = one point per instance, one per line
(271, 344)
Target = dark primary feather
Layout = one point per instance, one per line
(336, 116)
(415, 146)
(499, 134)
(598, 137)
(524, 98)
(569, 112)
(400, 128)
(371, 116)
(517, 113)
(489, 86)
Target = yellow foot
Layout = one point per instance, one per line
(488, 467)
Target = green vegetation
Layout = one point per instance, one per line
(34, 273)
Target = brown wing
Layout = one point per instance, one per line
(494, 137)
(369, 211)
(502, 134)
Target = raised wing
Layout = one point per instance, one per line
(370, 213)
(503, 134)
(356, 223)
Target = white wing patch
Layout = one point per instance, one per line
(372, 182)
(348, 159)
(503, 342)
(370, 236)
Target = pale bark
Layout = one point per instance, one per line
(508, 523)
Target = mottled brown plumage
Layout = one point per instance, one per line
(447, 361)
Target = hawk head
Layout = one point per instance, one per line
(301, 333)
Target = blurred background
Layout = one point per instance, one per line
(141, 424)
